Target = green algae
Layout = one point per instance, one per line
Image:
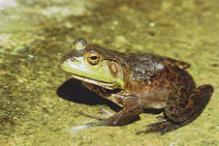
(35, 34)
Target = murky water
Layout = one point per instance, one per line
(37, 106)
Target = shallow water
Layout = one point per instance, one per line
(37, 104)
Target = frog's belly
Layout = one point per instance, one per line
(151, 95)
(155, 98)
(156, 105)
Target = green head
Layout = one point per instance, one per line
(91, 65)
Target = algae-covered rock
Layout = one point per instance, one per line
(34, 35)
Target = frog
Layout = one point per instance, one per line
(138, 81)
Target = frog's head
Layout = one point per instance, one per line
(91, 64)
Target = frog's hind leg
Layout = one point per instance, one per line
(181, 110)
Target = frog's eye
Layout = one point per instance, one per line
(93, 58)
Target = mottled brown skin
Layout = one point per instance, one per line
(151, 81)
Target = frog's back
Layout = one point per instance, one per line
(154, 80)
(144, 66)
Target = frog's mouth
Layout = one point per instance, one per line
(107, 85)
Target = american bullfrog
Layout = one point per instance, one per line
(136, 82)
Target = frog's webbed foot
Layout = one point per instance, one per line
(159, 127)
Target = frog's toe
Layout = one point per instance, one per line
(106, 112)
(160, 118)
(159, 127)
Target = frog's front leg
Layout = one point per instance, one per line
(132, 108)
(130, 112)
